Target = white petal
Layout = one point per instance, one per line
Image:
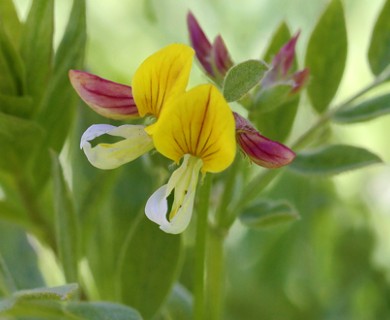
(157, 206)
(94, 131)
(182, 218)
(109, 156)
(183, 183)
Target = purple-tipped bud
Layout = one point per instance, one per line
(214, 58)
(261, 150)
(200, 43)
(284, 59)
(109, 99)
(300, 80)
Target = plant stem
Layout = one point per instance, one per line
(215, 274)
(200, 250)
(308, 135)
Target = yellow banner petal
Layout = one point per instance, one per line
(161, 76)
(199, 123)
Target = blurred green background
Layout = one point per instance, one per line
(334, 263)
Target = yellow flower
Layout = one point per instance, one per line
(198, 128)
(159, 78)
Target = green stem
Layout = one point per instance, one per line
(229, 186)
(215, 274)
(200, 249)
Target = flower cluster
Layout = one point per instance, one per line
(195, 128)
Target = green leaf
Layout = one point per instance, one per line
(149, 267)
(179, 304)
(364, 111)
(14, 246)
(37, 46)
(66, 223)
(326, 56)
(18, 140)
(57, 109)
(60, 293)
(11, 66)
(333, 159)
(102, 311)
(241, 78)
(379, 50)
(7, 282)
(266, 213)
(280, 38)
(19, 106)
(10, 20)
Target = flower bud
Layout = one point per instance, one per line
(109, 99)
(214, 58)
(261, 150)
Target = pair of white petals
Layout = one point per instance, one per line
(136, 142)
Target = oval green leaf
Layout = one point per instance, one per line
(364, 111)
(326, 56)
(266, 213)
(331, 160)
(379, 50)
(241, 78)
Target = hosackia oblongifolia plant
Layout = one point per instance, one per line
(172, 166)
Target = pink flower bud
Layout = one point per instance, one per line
(109, 99)
(221, 56)
(200, 43)
(284, 59)
(261, 150)
(214, 58)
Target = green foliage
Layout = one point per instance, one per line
(333, 159)
(69, 55)
(326, 55)
(149, 267)
(241, 78)
(264, 213)
(364, 111)
(37, 47)
(379, 50)
(67, 233)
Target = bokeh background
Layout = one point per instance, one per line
(333, 263)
